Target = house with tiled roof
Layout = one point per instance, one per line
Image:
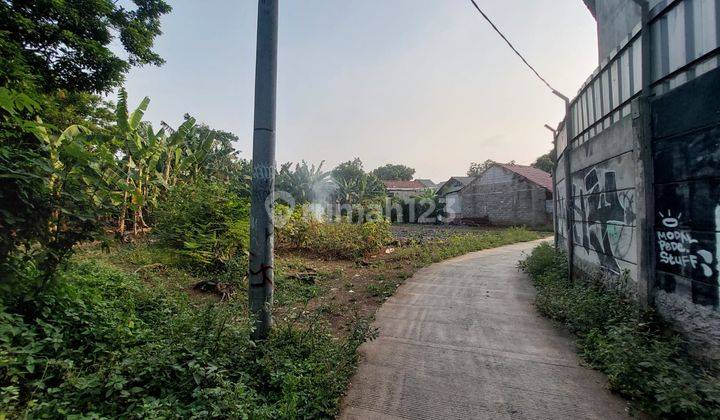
(509, 194)
(404, 189)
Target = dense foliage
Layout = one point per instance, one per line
(305, 183)
(545, 162)
(205, 221)
(341, 238)
(477, 168)
(354, 186)
(643, 359)
(432, 251)
(67, 43)
(394, 172)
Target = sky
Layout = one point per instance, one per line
(425, 83)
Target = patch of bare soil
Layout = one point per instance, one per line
(347, 289)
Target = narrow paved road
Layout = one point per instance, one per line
(462, 340)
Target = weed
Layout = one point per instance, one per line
(643, 359)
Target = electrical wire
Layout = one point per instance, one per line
(513, 47)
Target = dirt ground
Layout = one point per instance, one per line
(422, 233)
(347, 290)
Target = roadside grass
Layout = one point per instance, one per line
(422, 254)
(643, 358)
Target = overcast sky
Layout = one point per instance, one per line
(426, 83)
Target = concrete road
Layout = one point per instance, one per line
(462, 340)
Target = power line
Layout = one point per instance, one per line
(513, 47)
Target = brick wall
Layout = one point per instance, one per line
(505, 198)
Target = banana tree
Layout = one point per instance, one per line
(306, 183)
(142, 149)
(174, 150)
(79, 190)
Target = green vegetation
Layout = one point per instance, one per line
(339, 239)
(422, 254)
(123, 247)
(643, 358)
(394, 172)
(105, 344)
(205, 221)
(354, 186)
(477, 168)
(66, 45)
(546, 162)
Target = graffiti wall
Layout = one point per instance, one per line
(686, 209)
(604, 213)
(603, 202)
(687, 190)
(686, 156)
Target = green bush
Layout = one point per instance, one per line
(643, 359)
(106, 345)
(340, 238)
(207, 222)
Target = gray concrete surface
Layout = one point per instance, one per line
(462, 340)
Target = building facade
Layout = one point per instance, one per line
(509, 195)
(449, 196)
(404, 190)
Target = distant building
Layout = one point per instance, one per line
(509, 195)
(428, 183)
(404, 189)
(449, 195)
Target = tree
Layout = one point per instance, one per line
(394, 172)
(67, 43)
(142, 150)
(211, 151)
(306, 183)
(476, 169)
(354, 186)
(545, 162)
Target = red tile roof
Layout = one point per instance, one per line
(404, 185)
(534, 175)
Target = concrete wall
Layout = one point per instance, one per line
(686, 143)
(403, 194)
(505, 198)
(453, 206)
(603, 202)
(616, 19)
(668, 239)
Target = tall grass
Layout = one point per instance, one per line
(643, 359)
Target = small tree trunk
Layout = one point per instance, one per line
(123, 210)
(168, 164)
(123, 214)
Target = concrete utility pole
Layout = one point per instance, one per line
(260, 287)
(554, 181)
(644, 169)
(569, 212)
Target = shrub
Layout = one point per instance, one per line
(206, 221)
(643, 359)
(106, 345)
(340, 238)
